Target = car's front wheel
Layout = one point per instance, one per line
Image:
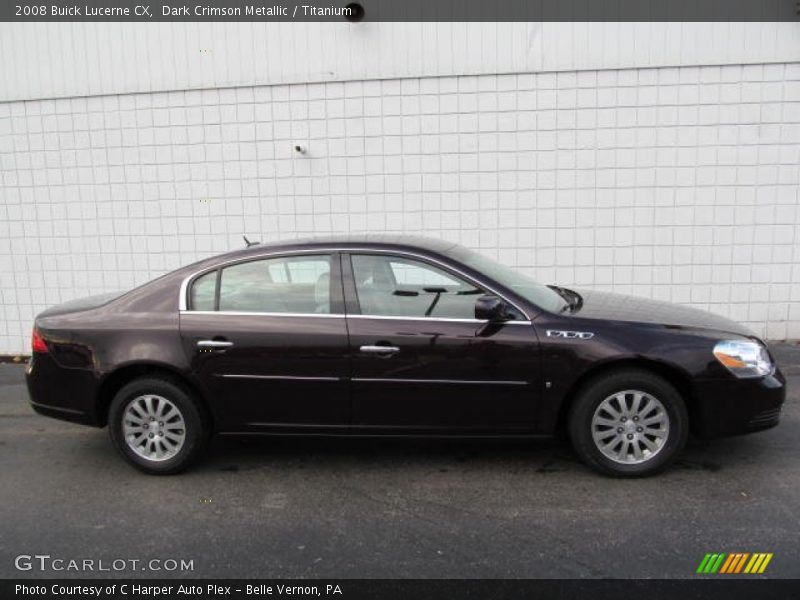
(628, 423)
(157, 425)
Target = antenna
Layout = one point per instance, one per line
(248, 242)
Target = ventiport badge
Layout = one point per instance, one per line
(572, 335)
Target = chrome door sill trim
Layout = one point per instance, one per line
(450, 381)
(286, 377)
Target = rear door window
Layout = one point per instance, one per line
(290, 284)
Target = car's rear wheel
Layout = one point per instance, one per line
(157, 425)
(628, 423)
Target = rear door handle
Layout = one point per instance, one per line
(214, 344)
(380, 350)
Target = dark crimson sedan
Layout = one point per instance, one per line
(394, 336)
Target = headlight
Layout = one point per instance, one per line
(744, 359)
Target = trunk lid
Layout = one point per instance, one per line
(79, 304)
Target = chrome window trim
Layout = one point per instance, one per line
(244, 313)
(343, 316)
(445, 319)
(183, 305)
(447, 381)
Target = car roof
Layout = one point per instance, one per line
(408, 243)
(394, 241)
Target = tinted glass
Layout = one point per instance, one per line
(398, 287)
(203, 291)
(530, 289)
(298, 284)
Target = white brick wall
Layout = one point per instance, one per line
(675, 183)
(54, 60)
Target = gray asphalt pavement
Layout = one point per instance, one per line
(350, 508)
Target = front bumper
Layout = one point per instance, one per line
(730, 406)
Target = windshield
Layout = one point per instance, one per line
(533, 291)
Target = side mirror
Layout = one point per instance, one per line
(490, 308)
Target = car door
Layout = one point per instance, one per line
(423, 363)
(267, 339)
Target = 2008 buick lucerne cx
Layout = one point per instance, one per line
(394, 336)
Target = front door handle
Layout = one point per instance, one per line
(214, 344)
(380, 350)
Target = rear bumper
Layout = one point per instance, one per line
(62, 393)
(730, 406)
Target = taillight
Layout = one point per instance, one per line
(37, 342)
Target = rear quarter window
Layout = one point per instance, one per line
(203, 291)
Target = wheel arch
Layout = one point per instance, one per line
(124, 374)
(673, 374)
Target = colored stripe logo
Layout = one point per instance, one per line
(736, 562)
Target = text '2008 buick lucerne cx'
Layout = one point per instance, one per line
(394, 336)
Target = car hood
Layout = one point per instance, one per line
(619, 307)
(80, 304)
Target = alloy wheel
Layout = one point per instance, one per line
(153, 427)
(630, 427)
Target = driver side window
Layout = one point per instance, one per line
(399, 287)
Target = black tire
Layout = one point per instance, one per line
(595, 391)
(196, 423)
